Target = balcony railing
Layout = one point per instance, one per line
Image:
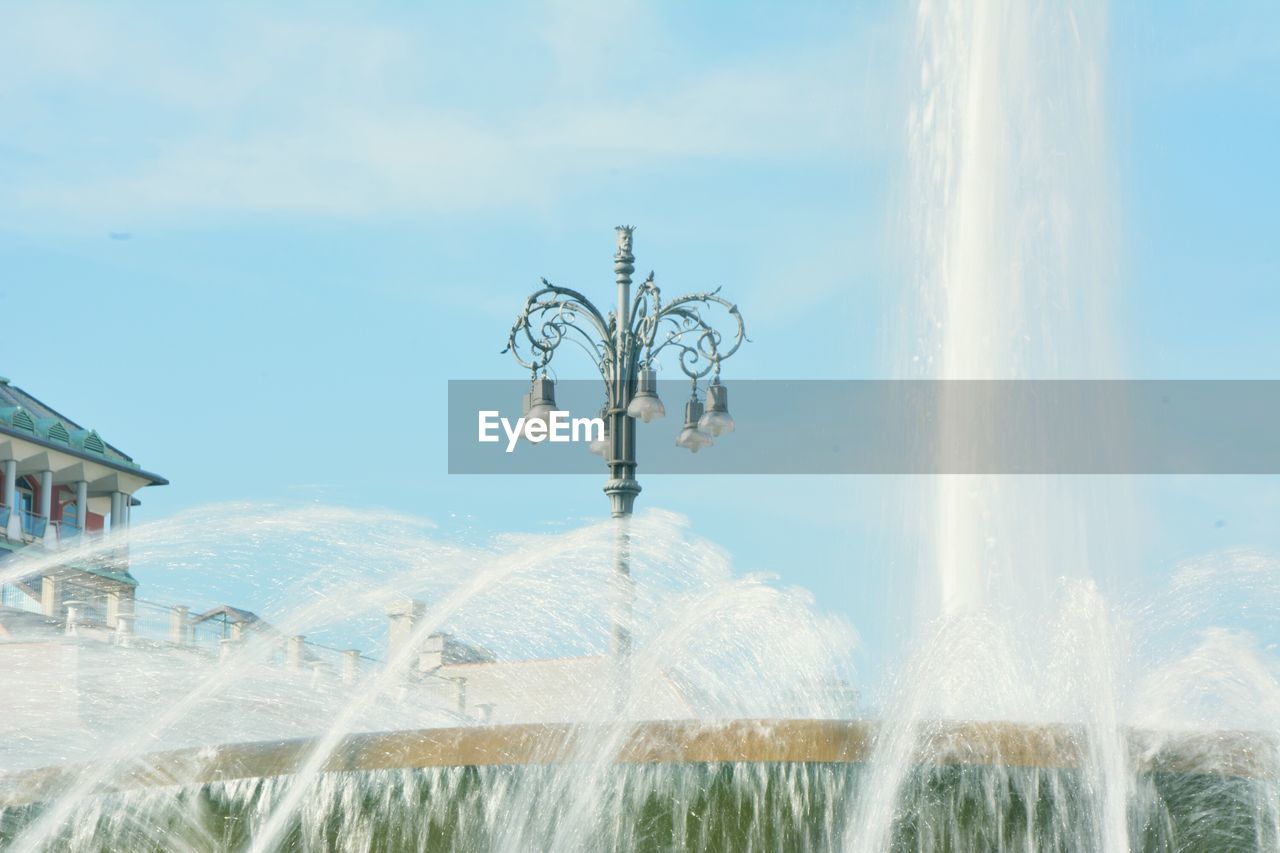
(37, 527)
(150, 626)
(12, 595)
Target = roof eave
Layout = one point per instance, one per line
(153, 479)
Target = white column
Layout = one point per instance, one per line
(14, 529)
(82, 504)
(46, 508)
(117, 511)
(51, 596)
(10, 481)
(179, 629)
(351, 666)
(295, 651)
(403, 615)
(119, 604)
(46, 494)
(124, 629)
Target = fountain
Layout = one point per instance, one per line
(740, 732)
(1038, 708)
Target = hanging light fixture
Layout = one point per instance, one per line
(540, 402)
(600, 446)
(645, 405)
(717, 419)
(691, 438)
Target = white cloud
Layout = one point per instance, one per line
(129, 116)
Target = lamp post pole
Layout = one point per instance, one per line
(622, 486)
(624, 345)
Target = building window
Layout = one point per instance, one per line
(71, 516)
(26, 502)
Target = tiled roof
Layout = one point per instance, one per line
(23, 414)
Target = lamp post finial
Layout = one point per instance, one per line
(624, 241)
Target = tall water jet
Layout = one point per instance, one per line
(1010, 229)
(1008, 233)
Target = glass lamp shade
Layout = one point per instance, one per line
(540, 402)
(691, 438)
(600, 446)
(541, 412)
(716, 423)
(645, 405)
(646, 408)
(717, 419)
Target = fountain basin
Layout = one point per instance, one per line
(1222, 753)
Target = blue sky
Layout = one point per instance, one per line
(331, 212)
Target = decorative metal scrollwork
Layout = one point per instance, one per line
(553, 315)
(680, 325)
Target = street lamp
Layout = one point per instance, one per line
(624, 345)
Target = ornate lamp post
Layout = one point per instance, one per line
(624, 344)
